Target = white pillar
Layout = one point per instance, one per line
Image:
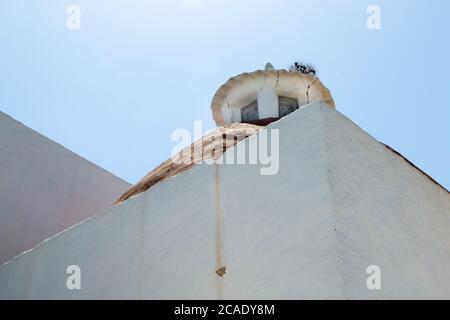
(227, 113)
(267, 103)
(235, 114)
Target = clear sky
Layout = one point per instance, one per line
(114, 90)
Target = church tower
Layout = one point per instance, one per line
(263, 96)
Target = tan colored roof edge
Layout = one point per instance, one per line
(414, 166)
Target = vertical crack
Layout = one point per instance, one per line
(307, 90)
(278, 78)
(220, 268)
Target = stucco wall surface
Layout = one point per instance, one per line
(340, 202)
(45, 188)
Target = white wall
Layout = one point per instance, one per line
(45, 188)
(340, 202)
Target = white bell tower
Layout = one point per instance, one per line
(263, 96)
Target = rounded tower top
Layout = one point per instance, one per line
(263, 96)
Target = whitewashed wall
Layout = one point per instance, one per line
(45, 188)
(340, 202)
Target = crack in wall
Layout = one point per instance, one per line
(220, 268)
(307, 90)
(141, 269)
(278, 79)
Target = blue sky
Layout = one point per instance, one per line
(114, 90)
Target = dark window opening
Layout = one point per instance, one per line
(250, 112)
(286, 106)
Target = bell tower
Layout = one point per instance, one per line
(264, 96)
